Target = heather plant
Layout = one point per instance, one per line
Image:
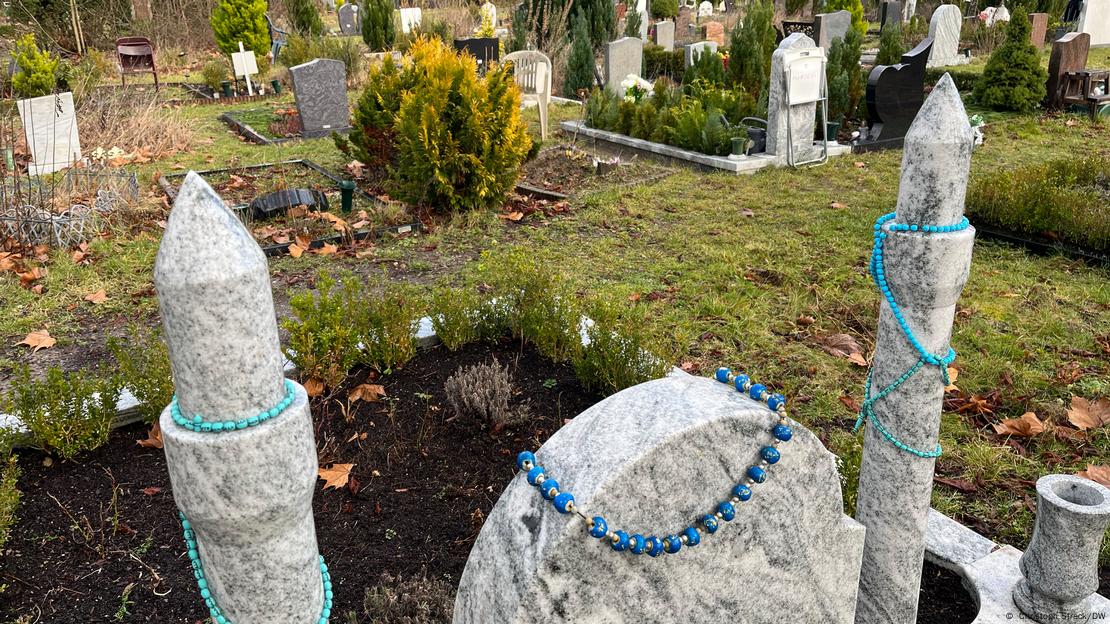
(235, 21)
(481, 392)
(1013, 78)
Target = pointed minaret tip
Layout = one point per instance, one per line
(204, 239)
(942, 118)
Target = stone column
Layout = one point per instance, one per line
(1060, 567)
(926, 272)
(247, 492)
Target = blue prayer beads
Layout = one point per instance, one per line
(198, 424)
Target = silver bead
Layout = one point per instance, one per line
(763, 396)
(747, 385)
(749, 481)
(763, 463)
(527, 465)
(734, 500)
(682, 538)
(719, 516)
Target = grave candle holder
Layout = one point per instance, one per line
(347, 194)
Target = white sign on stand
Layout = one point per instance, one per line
(805, 84)
(245, 65)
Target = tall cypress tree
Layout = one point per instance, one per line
(1013, 78)
(377, 25)
(752, 43)
(601, 17)
(580, 66)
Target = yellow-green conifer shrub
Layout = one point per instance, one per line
(240, 20)
(460, 139)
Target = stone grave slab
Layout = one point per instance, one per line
(705, 9)
(320, 88)
(350, 20)
(830, 26)
(1039, 23)
(1069, 54)
(944, 28)
(652, 459)
(715, 32)
(1094, 19)
(693, 50)
(890, 14)
(664, 35)
(894, 95)
(622, 57)
(779, 111)
(50, 128)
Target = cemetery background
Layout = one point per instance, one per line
(662, 247)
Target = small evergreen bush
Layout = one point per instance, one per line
(303, 17)
(751, 44)
(632, 23)
(214, 72)
(890, 46)
(620, 352)
(580, 66)
(664, 9)
(37, 73)
(857, 83)
(855, 7)
(386, 321)
(601, 15)
(143, 366)
(9, 497)
(299, 50)
(707, 67)
(659, 63)
(378, 30)
(323, 342)
(240, 20)
(66, 413)
(1013, 78)
(838, 80)
(460, 316)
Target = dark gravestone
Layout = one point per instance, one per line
(350, 22)
(279, 201)
(1039, 21)
(789, 28)
(320, 88)
(1069, 54)
(486, 49)
(890, 15)
(894, 95)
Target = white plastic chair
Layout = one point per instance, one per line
(532, 70)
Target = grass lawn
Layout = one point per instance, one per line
(749, 270)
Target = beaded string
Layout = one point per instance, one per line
(878, 274)
(620, 540)
(196, 423)
(214, 610)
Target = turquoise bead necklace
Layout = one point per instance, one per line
(196, 423)
(653, 546)
(214, 611)
(878, 275)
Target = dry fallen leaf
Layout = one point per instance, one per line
(370, 393)
(953, 374)
(1026, 427)
(1086, 414)
(314, 387)
(336, 475)
(38, 340)
(958, 484)
(859, 164)
(805, 320)
(634, 297)
(295, 250)
(151, 491)
(837, 205)
(153, 437)
(1098, 474)
(326, 249)
(842, 345)
(97, 297)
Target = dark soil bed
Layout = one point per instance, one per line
(421, 486)
(569, 170)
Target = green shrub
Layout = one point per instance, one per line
(1062, 199)
(84, 75)
(323, 342)
(857, 79)
(1013, 78)
(914, 31)
(751, 45)
(240, 20)
(460, 138)
(659, 63)
(620, 352)
(890, 46)
(66, 413)
(963, 78)
(855, 7)
(632, 23)
(601, 15)
(838, 80)
(303, 17)
(386, 320)
(580, 66)
(143, 366)
(701, 129)
(37, 70)
(378, 29)
(214, 72)
(9, 497)
(664, 9)
(300, 50)
(707, 67)
(460, 316)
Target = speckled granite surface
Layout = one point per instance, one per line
(651, 459)
(247, 493)
(926, 272)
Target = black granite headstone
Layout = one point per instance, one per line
(894, 95)
(486, 49)
(789, 28)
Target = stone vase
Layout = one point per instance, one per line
(1060, 567)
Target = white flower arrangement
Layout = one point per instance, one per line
(635, 88)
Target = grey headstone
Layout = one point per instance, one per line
(622, 57)
(247, 493)
(944, 28)
(1094, 19)
(801, 117)
(829, 26)
(651, 460)
(890, 14)
(694, 50)
(664, 35)
(320, 88)
(350, 20)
